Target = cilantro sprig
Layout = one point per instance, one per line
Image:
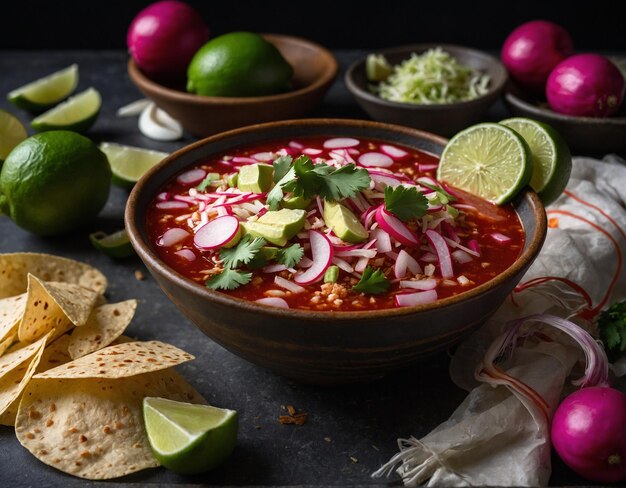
(442, 195)
(247, 252)
(229, 279)
(244, 252)
(405, 202)
(290, 256)
(208, 179)
(612, 328)
(372, 282)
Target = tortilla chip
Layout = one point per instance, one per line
(11, 312)
(122, 360)
(8, 341)
(15, 267)
(93, 428)
(54, 306)
(105, 324)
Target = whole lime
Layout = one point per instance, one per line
(239, 64)
(54, 182)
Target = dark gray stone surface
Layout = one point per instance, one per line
(360, 422)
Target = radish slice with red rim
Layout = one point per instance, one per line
(191, 177)
(413, 299)
(186, 254)
(322, 255)
(395, 227)
(375, 159)
(217, 232)
(172, 236)
(443, 253)
(340, 143)
(273, 302)
(393, 151)
(172, 205)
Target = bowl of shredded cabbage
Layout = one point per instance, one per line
(441, 88)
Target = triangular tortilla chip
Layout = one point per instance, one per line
(93, 428)
(8, 340)
(15, 267)
(122, 360)
(11, 312)
(54, 306)
(105, 324)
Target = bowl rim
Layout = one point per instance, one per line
(410, 48)
(520, 102)
(150, 258)
(332, 68)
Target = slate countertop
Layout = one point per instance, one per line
(350, 431)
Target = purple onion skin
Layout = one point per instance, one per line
(587, 85)
(532, 50)
(589, 433)
(163, 38)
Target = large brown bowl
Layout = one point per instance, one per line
(315, 69)
(325, 347)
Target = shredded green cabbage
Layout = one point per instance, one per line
(434, 77)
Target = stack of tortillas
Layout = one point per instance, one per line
(70, 382)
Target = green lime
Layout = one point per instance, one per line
(54, 182)
(78, 113)
(129, 163)
(239, 64)
(46, 92)
(188, 438)
(552, 160)
(12, 132)
(377, 68)
(488, 160)
(115, 245)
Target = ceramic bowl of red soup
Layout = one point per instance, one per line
(326, 250)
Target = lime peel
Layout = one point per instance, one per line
(129, 163)
(77, 113)
(46, 92)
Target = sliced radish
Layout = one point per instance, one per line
(311, 151)
(361, 264)
(393, 151)
(288, 285)
(172, 236)
(405, 262)
(273, 302)
(322, 255)
(344, 265)
(356, 253)
(263, 157)
(474, 246)
(296, 145)
(343, 155)
(375, 159)
(353, 151)
(383, 240)
(340, 143)
(164, 196)
(443, 253)
(500, 238)
(244, 160)
(381, 181)
(191, 177)
(413, 299)
(426, 284)
(305, 263)
(187, 254)
(217, 232)
(450, 231)
(395, 227)
(186, 199)
(425, 168)
(461, 256)
(172, 205)
(428, 257)
(274, 268)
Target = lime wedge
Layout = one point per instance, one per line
(488, 160)
(77, 114)
(188, 438)
(129, 163)
(552, 161)
(46, 92)
(115, 245)
(12, 132)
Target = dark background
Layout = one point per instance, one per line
(595, 24)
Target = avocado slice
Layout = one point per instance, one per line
(277, 226)
(271, 233)
(344, 223)
(256, 178)
(294, 202)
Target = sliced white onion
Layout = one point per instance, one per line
(171, 205)
(361, 264)
(375, 159)
(244, 160)
(187, 254)
(216, 233)
(341, 264)
(159, 125)
(296, 145)
(383, 240)
(172, 236)
(356, 253)
(263, 157)
(393, 151)
(340, 143)
(288, 285)
(322, 255)
(273, 302)
(133, 109)
(405, 262)
(461, 256)
(500, 238)
(274, 268)
(425, 284)
(413, 299)
(310, 151)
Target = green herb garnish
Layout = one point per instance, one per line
(243, 253)
(443, 196)
(229, 279)
(612, 328)
(372, 282)
(290, 256)
(208, 179)
(405, 202)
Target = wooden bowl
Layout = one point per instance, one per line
(446, 119)
(315, 69)
(325, 347)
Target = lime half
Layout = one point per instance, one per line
(488, 160)
(188, 438)
(12, 132)
(77, 114)
(129, 163)
(46, 92)
(115, 245)
(551, 157)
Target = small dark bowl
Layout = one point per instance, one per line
(315, 69)
(585, 135)
(325, 347)
(446, 119)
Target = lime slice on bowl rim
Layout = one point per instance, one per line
(44, 93)
(77, 113)
(488, 160)
(116, 245)
(129, 163)
(12, 132)
(551, 157)
(187, 438)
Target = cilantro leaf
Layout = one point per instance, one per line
(229, 279)
(290, 256)
(281, 167)
(612, 328)
(442, 195)
(372, 282)
(405, 202)
(207, 181)
(244, 252)
(344, 182)
(276, 194)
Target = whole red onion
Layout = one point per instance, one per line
(163, 38)
(533, 49)
(586, 85)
